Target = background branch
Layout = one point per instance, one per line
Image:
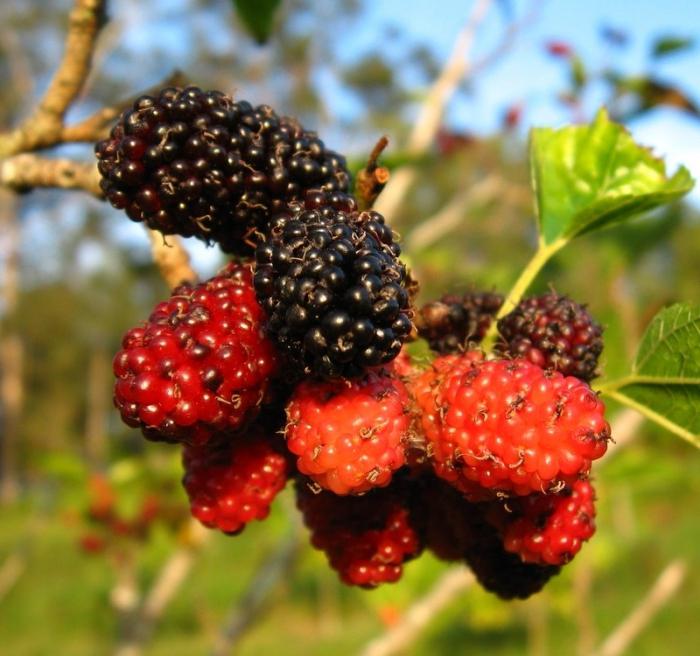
(97, 125)
(169, 580)
(27, 171)
(452, 214)
(420, 614)
(456, 69)
(172, 259)
(269, 575)
(44, 126)
(664, 589)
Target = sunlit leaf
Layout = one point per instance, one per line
(587, 177)
(665, 380)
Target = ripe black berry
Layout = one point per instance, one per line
(452, 323)
(503, 573)
(553, 332)
(196, 163)
(333, 286)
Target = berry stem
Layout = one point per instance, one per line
(650, 414)
(543, 254)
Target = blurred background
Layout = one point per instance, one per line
(93, 521)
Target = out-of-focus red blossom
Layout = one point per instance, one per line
(102, 498)
(559, 49)
(120, 526)
(92, 544)
(150, 509)
(512, 116)
(449, 142)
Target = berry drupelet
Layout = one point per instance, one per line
(350, 436)
(454, 322)
(553, 332)
(508, 425)
(201, 363)
(550, 529)
(197, 163)
(229, 484)
(367, 539)
(334, 288)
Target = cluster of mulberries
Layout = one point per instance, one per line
(290, 363)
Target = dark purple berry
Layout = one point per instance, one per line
(333, 286)
(553, 332)
(196, 163)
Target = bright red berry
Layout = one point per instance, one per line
(349, 436)
(550, 529)
(507, 425)
(201, 363)
(367, 539)
(233, 483)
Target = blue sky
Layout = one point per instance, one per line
(529, 75)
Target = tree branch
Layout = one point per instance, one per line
(430, 114)
(450, 216)
(168, 582)
(253, 601)
(456, 68)
(664, 589)
(172, 259)
(97, 125)
(27, 171)
(453, 582)
(44, 126)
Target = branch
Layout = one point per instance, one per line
(456, 68)
(450, 216)
(171, 577)
(44, 126)
(97, 126)
(25, 172)
(248, 608)
(10, 572)
(373, 178)
(172, 259)
(664, 589)
(452, 583)
(430, 114)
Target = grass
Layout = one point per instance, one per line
(648, 515)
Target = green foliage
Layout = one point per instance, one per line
(588, 177)
(667, 45)
(665, 379)
(258, 17)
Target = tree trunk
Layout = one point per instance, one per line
(11, 389)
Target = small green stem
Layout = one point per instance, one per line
(543, 254)
(638, 379)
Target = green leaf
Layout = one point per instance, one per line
(665, 380)
(587, 177)
(257, 16)
(578, 73)
(667, 45)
